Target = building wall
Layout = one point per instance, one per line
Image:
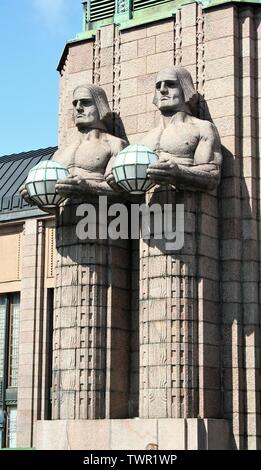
(221, 49)
(10, 249)
(27, 260)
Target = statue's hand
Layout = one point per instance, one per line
(73, 185)
(25, 195)
(163, 172)
(110, 180)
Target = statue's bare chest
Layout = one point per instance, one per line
(179, 139)
(91, 155)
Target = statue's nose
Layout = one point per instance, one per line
(163, 87)
(78, 105)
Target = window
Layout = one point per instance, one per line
(11, 427)
(141, 4)
(13, 342)
(100, 9)
(104, 11)
(49, 359)
(3, 304)
(9, 354)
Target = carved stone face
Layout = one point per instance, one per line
(169, 94)
(84, 109)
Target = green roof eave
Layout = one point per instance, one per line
(213, 3)
(155, 13)
(147, 15)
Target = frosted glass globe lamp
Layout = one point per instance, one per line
(130, 167)
(41, 182)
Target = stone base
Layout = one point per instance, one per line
(133, 434)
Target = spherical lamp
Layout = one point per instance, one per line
(41, 182)
(130, 167)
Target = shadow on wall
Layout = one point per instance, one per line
(238, 323)
(237, 265)
(239, 279)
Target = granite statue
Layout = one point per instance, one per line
(189, 148)
(90, 156)
(171, 304)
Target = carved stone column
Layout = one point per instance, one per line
(90, 370)
(179, 324)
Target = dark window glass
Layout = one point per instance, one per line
(9, 356)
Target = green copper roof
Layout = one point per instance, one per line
(213, 3)
(128, 13)
(131, 13)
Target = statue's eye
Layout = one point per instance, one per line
(170, 84)
(86, 102)
(158, 85)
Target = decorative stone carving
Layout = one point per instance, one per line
(201, 73)
(178, 39)
(90, 156)
(122, 6)
(189, 148)
(90, 372)
(90, 312)
(174, 286)
(117, 70)
(97, 58)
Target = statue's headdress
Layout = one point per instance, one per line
(100, 99)
(185, 80)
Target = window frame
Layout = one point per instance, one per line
(9, 392)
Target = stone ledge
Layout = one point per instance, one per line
(133, 434)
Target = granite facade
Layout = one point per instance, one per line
(204, 306)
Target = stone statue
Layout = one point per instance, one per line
(171, 303)
(89, 157)
(189, 148)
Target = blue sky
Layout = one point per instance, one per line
(32, 37)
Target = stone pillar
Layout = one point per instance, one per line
(30, 345)
(222, 90)
(232, 55)
(250, 213)
(256, 350)
(179, 322)
(90, 369)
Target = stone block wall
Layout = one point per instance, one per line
(221, 48)
(91, 325)
(33, 401)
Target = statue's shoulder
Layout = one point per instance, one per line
(116, 143)
(206, 128)
(65, 152)
(151, 139)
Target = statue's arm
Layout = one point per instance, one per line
(205, 173)
(120, 145)
(74, 185)
(109, 186)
